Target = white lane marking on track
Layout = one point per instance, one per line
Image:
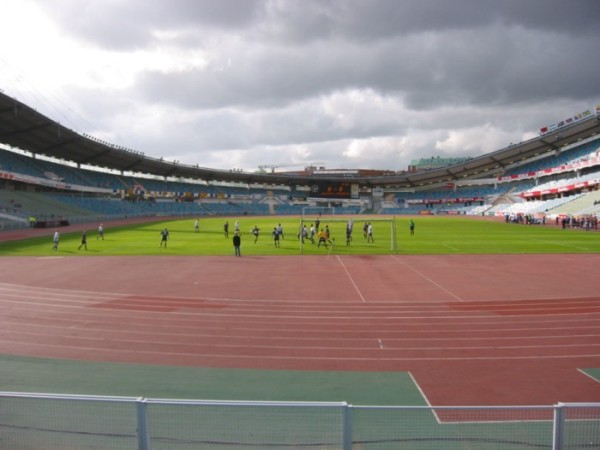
(433, 411)
(589, 376)
(296, 357)
(247, 344)
(98, 327)
(351, 279)
(422, 275)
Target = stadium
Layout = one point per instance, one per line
(482, 338)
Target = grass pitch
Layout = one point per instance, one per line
(433, 235)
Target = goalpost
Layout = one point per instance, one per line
(384, 229)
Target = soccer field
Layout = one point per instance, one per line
(433, 235)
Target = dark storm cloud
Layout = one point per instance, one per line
(376, 19)
(357, 82)
(266, 75)
(491, 66)
(429, 51)
(132, 22)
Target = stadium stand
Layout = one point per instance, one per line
(163, 197)
(557, 173)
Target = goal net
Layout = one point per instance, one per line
(311, 212)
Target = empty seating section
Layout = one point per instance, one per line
(116, 208)
(23, 204)
(16, 163)
(588, 204)
(570, 156)
(48, 170)
(563, 182)
(532, 207)
(461, 200)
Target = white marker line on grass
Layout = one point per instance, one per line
(561, 244)
(119, 248)
(451, 247)
(351, 279)
(428, 279)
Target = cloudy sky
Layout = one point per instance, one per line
(339, 83)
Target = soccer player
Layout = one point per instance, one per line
(322, 237)
(237, 243)
(276, 236)
(55, 240)
(83, 240)
(164, 234)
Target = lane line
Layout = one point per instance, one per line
(422, 392)
(11, 344)
(264, 343)
(181, 333)
(351, 279)
(589, 376)
(425, 277)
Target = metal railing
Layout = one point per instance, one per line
(48, 421)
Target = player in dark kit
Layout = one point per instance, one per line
(237, 242)
(164, 237)
(83, 241)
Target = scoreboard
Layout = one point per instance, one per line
(328, 189)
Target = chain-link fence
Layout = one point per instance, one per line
(53, 422)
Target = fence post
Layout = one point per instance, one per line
(142, 424)
(347, 424)
(558, 427)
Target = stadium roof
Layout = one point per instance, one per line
(24, 128)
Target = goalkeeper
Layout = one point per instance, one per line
(322, 237)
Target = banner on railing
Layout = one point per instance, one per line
(568, 121)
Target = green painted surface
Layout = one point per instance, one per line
(24, 374)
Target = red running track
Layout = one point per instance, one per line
(472, 330)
